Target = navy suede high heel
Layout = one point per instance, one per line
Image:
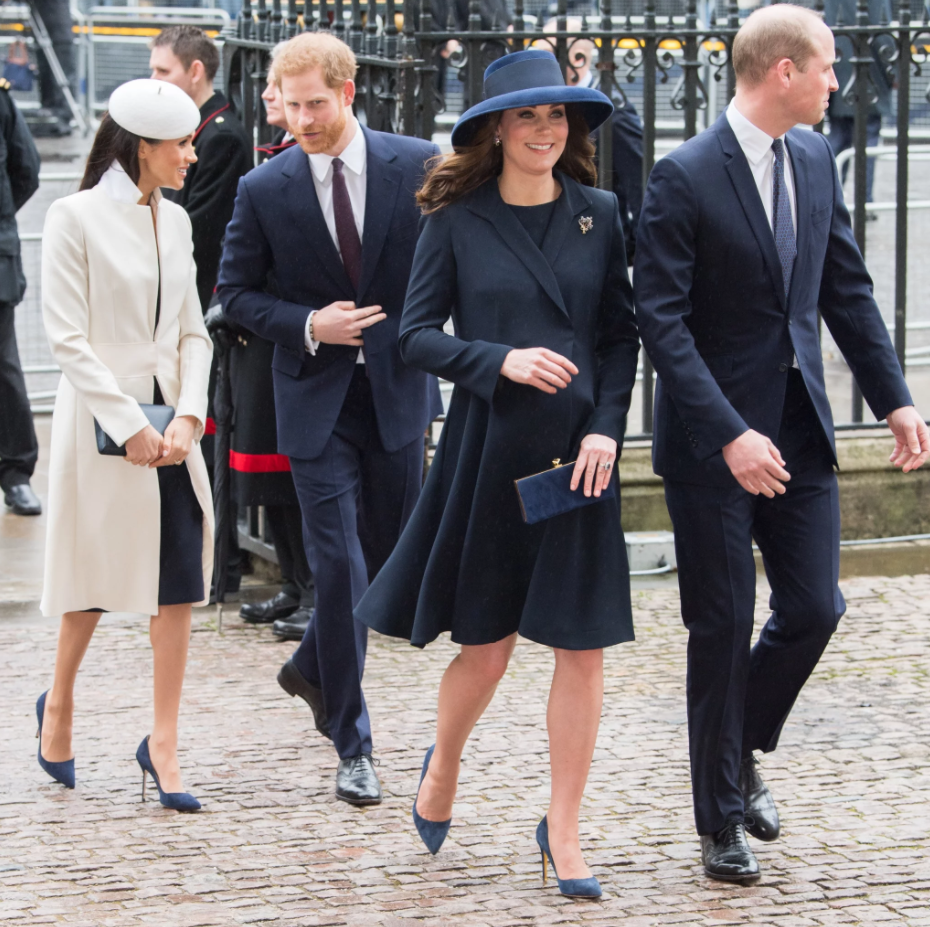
(60, 772)
(176, 801)
(432, 833)
(571, 888)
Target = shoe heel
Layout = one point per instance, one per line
(143, 785)
(545, 873)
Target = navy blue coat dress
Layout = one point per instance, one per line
(466, 562)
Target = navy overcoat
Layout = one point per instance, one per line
(466, 562)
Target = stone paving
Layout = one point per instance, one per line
(274, 846)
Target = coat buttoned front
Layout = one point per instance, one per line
(100, 284)
(466, 562)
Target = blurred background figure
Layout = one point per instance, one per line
(56, 16)
(841, 114)
(19, 179)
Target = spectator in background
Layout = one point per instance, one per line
(842, 114)
(19, 179)
(56, 16)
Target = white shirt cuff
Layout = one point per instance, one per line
(309, 344)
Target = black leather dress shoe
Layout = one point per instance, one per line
(292, 628)
(726, 855)
(761, 814)
(292, 681)
(280, 606)
(22, 500)
(357, 782)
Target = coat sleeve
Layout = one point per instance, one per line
(66, 313)
(666, 250)
(22, 161)
(617, 344)
(244, 271)
(853, 318)
(431, 294)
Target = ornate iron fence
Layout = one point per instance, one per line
(675, 62)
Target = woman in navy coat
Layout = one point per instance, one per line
(529, 260)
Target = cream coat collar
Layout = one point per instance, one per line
(118, 186)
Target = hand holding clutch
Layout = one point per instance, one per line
(595, 462)
(549, 493)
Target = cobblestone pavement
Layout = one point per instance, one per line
(274, 846)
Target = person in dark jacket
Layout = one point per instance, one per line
(530, 262)
(19, 179)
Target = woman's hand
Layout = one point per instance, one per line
(179, 436)
(596, 461)
(539, 367)
(143, 447)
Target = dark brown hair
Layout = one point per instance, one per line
(454, 175)
(112, 143)
(190, 44)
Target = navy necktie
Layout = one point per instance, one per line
(782, 226)
(350, 245)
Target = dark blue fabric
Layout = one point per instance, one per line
(545, 495)
(711, 304)
(279, 262)
(180, 569)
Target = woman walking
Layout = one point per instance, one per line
(119, 299)
(530, 263)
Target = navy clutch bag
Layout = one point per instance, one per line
(159, 418)
(549, 493)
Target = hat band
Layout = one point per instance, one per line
(530, 74)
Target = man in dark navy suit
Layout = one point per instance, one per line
(317, 259)
(743, 236)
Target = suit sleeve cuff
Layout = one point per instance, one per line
(309, 343)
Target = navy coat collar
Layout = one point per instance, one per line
(381, 185)
(486, 202)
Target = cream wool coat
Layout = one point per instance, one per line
(99, 290)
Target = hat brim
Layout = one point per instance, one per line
(593, 105)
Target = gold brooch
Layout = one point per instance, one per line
(585, 223)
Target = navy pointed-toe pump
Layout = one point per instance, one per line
(571, 888)
(432, 833)
(60, 772)
(176, 801)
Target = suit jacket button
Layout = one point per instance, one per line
(782, 368)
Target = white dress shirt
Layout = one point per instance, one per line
(355, 159)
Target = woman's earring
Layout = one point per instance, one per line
(497, 140)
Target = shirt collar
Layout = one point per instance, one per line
(118, 186)
(353, 156)
(755, 143)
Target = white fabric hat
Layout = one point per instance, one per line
(153, 109)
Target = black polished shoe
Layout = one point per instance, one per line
(726, 855)
(292, 681)
(22, 500)
(761, 814)
(280, 606)
(293, 627)
(357, 782)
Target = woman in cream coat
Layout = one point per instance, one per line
(123, 319)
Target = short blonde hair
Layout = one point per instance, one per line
(770, 34)
(316, 50)
(271, 60)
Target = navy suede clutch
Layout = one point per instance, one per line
(549, 493)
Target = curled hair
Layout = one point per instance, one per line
(113, 143)
(468, 167)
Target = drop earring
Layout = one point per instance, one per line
(497, 141)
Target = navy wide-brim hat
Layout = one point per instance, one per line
(528, 78)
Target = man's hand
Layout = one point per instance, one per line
(537, 367)
(911, 438)
(756, 464)
(342, 323)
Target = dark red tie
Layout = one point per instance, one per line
(350, 245)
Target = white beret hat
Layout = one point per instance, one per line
(153, 109)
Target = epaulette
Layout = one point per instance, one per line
(4, 84)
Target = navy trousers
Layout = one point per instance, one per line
(739, 695)
(355, 499)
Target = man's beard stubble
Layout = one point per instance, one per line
(326, 138)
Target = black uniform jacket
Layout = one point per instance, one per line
(466, 562)
(19, 179)
(224, 154)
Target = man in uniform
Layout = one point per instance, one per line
(19, 179)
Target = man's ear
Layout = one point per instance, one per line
(348, 92)
(197, 72)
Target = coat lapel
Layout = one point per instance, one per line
(748, 193)
(803, 206)
(381, 188)
(304, 208)
(570, 204)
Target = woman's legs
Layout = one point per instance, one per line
(467, 687)
(170, 632)
(74, 636)
(573, 716)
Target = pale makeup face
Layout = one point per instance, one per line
(166, 164)
(533, 137)
(810, 89)
(316, 113)
(166, 66)
(274, 105)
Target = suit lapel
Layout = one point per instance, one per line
(304, 207)
(381, 187)
(803, 206)
(748, 194)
